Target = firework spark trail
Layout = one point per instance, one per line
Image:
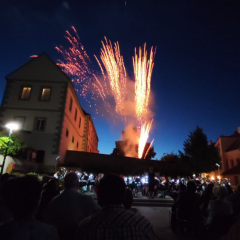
(115, 72)
(75, 63)
(144, 134)
(99, 88)
(143, 72)
(150, 145)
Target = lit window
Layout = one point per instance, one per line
(70, 105)
(40, 124)
(25, 93)
(45, 94)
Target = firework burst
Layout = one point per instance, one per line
(114, 72)
(76, 62)
(144, 135)
(113, 82)
(142, 72)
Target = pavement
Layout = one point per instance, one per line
(158, 212)
(159, 217)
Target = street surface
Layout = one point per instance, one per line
(159, 217)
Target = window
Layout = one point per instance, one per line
(79, 125)
(73, 139)
(45, 94)
(25, 93)
(75, 114)
(70, 105)
(67, 132)
(40, 124)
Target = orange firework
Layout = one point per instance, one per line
(113, 83)
(144, 134)
(143, 72)
(75, 63)
(115, 72)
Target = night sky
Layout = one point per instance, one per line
(196, 77)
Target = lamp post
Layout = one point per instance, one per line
(218, 169)
(11, 126)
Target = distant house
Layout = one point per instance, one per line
(229, 149)
(41, 98)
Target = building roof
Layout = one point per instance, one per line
(103, 163)
(233, 171)
(234, 146)
(41, 68)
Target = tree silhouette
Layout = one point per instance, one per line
(198, 154)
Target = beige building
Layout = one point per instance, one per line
(229, 149)
(41, 98)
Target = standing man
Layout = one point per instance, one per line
(68, 208)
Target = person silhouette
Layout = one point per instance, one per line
(69, 207)
(22, 196)
(114, 221)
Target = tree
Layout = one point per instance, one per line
(171, 158)
(173, 165)
(16, 145)
(198, 154)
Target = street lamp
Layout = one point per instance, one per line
(12, 126)
(218, 165)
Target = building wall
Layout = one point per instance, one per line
(72, 132)
(229, 159)
(27, 111)
(223, 144)
(53, 140)
(92, 139)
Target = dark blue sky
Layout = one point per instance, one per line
(196, 77)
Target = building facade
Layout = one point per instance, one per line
(41, 98)
(229, 150)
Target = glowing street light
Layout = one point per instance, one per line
(12, 126)
(218, 165)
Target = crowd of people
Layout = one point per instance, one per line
(30, 210)
(206, 210)
(33, 209)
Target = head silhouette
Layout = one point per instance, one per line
(111, 190)
(191, 186)
(71, 181)
(22, 195)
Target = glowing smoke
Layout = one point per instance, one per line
(121, 96)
